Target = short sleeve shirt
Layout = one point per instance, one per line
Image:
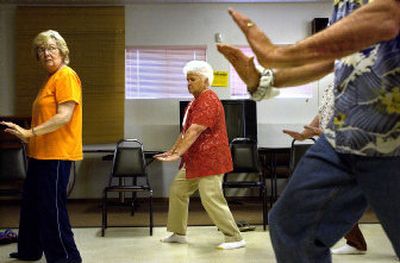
(64, 143)
(210, 153)
(366, 118)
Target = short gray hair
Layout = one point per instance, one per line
(200, 67)
(44, 36)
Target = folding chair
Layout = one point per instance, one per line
(245, 160)
(129, 164)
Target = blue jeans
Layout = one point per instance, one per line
(326, 196)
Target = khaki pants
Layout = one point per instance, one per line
(212, 199)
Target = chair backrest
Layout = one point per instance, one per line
(12, 163)
(129, 159)
(297, 151)
(244, 156)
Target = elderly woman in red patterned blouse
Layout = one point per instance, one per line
(204, 149)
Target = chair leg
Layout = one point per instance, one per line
(151, 213)
(265, 208)
(272, 197)
(104, 214)
(133, 206)
(134, 202)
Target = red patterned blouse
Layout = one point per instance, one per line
(210, 153)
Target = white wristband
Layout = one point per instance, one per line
(265, 89)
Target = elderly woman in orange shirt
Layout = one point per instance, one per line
(54, 142)
(204, 148)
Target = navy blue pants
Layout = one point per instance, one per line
(44, 223)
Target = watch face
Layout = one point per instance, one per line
(265, 89)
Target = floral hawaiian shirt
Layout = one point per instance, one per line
(366, 117)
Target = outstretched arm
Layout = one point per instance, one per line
(64, 114)
(188, 139)
(284, 77)
(310, 130)
(171, 150)
(287, 77)
(377, 21)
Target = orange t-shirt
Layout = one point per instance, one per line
(64, 143)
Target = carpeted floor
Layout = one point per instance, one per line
(87, 213)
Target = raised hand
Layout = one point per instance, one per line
(259, 42)
(243, 65)
(308, 132)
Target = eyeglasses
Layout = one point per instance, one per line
(50, 49)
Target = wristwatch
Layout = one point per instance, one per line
(265, 89)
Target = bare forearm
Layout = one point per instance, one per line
(177, 142)
(188, 139)
(295, 76)
(56, 122)
(64, 114)
(375, 22)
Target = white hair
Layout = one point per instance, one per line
(200, 67)
(44, 36)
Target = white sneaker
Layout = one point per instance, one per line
(175, 238)
(347, 250)
(231, 245)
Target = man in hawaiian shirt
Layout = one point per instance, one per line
(356, 161)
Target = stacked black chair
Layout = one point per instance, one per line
(13, 165)
(128, 175)
(245, 160)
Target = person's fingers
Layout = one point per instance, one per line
(235, 55)
(311, 128)
(294, 134)
(161, 155)
(8, 124)
(242, 21)
(224, 50)
(288, 131)
(220, 47)
(11, 131)
(227, 50)
(165, 159)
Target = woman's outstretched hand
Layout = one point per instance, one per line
(259, 42)
(18, 131)
(243, 65)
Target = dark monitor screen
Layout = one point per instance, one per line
(240, 117)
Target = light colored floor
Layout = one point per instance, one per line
(135, 245)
